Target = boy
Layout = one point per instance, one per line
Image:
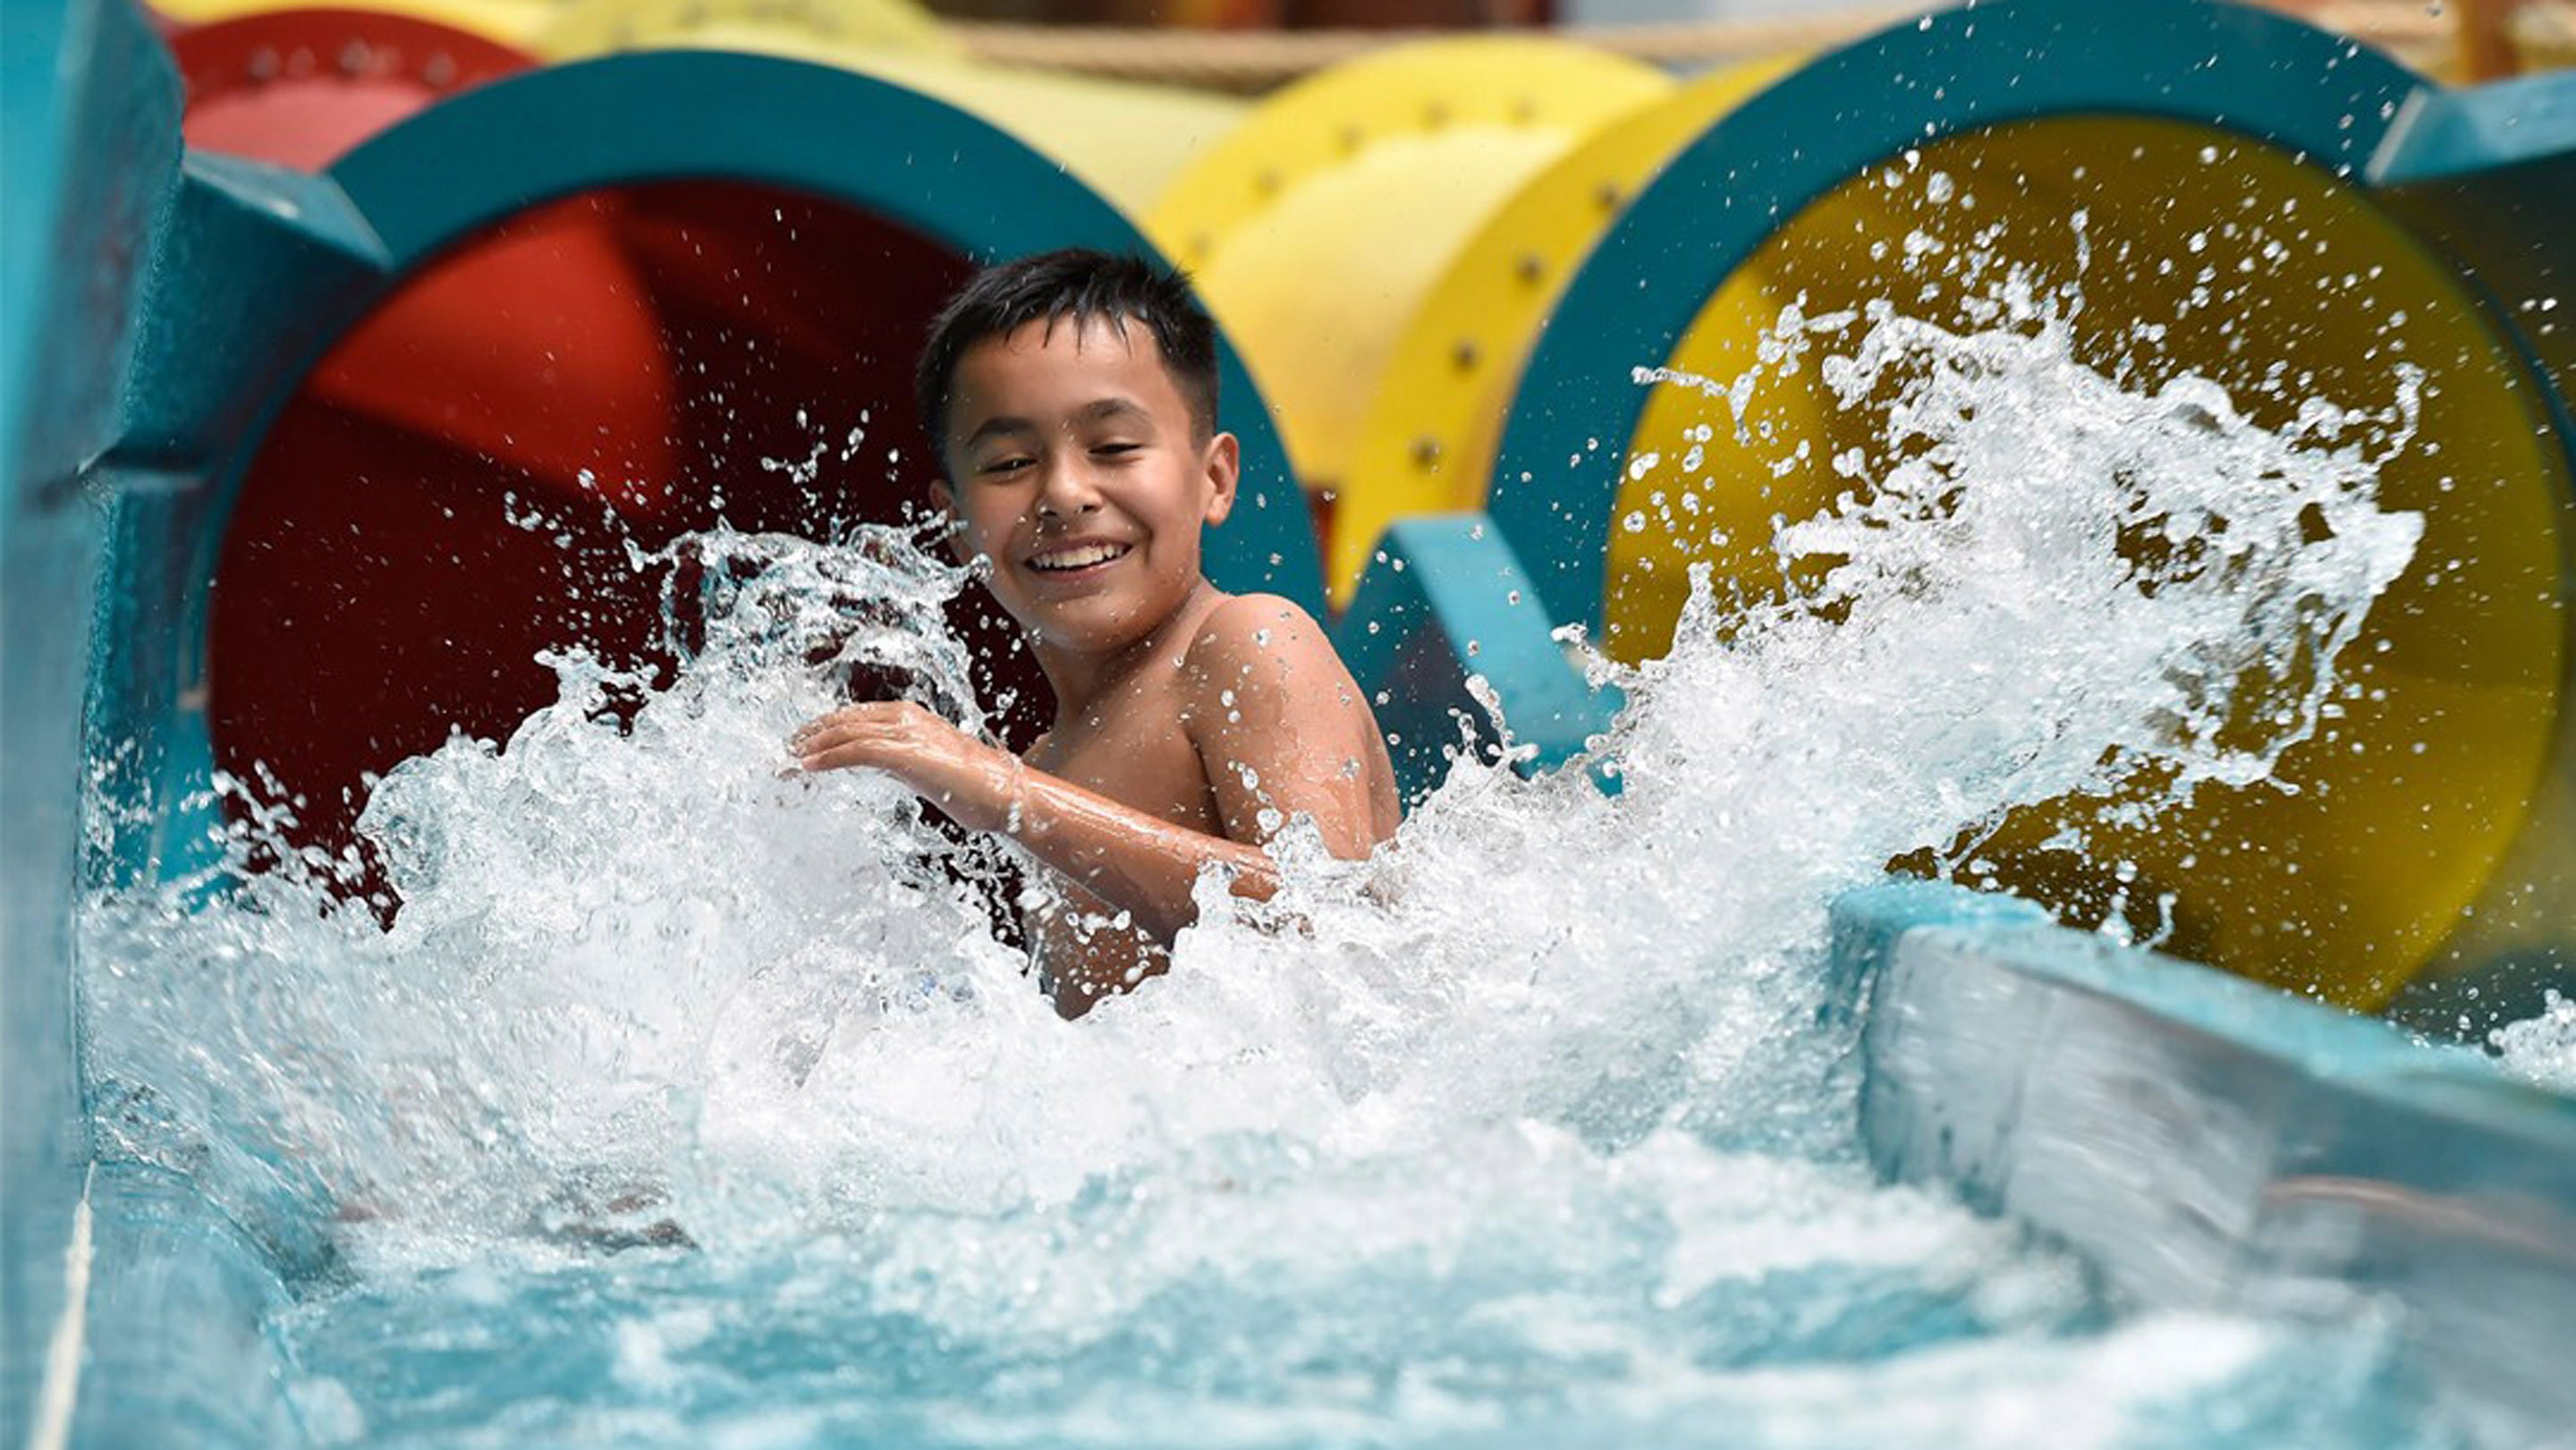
(1071, 400)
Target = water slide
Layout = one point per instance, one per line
(264, 389)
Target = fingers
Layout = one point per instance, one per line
(844, 718)
(836, 757)
(817, 726)
(878, 734)
(883, 712)
(832, 745)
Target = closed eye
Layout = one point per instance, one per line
(1112, 450)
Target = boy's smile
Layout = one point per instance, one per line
(1076, 472)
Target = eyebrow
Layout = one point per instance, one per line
(1094, 412)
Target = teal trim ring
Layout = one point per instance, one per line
(669, 115)
(2273, 80)
(320, 253)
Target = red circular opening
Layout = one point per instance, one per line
(453, 488)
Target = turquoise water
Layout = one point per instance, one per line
(1941, 1332)
(687, 1104)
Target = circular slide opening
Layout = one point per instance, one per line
(455, 486)
(2210, 254)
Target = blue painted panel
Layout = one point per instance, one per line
(257, 269)
(2508, 123)
(180, 1346)
(1448, 600)
(2210, 1141)
(89, 108)
(2488, 175)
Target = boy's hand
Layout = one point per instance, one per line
(968, 779)
(886, 734)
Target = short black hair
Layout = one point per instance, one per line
(1072, 284)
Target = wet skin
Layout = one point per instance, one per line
(1191, 725)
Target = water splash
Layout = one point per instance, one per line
(1538, 1113)
(2542, 1050)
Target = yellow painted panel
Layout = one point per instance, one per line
(1318, 224)
(512, 22)
(1126, 141)
(1430, 430)
(818, 27)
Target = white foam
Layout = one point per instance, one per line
(2542, 1050)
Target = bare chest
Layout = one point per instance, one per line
(1135, 749)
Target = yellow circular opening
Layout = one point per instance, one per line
(2407, 805)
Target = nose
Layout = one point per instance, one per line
(1067, 487)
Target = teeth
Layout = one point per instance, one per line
(1082, 558)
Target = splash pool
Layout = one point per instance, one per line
(680, 1104)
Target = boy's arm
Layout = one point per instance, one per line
(1139, 863)
(1280, 730)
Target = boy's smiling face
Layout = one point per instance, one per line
(1075, 469)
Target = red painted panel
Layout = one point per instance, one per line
(300, 87)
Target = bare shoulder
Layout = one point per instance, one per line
(1258, 658)
(1276, 710)
(1249, 628)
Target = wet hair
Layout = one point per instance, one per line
(1074, 284)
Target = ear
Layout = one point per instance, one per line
(1224, 469)
(952, 530)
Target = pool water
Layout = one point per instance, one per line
(1669, 1294)
(685, 1103)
